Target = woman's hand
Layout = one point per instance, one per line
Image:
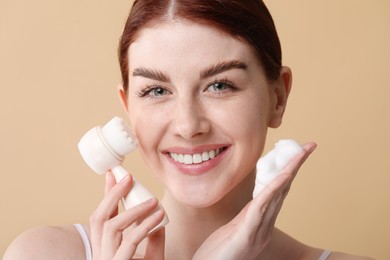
(246, 236)
(117, 236)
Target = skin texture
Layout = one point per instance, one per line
(191, 115)
(210, 207)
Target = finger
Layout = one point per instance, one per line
(260, 204)
(267, 225)
(110, 182)
(279, 203)
(252, 213)
(287, 175)
(272, 209)
(296, 162)
(309, 147)
(107, 207)
(133, 215)
(133, 236)
(260, 214)
(110, 201)
(156, 245)
(113, 228)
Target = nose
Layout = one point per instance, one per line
(190, 119)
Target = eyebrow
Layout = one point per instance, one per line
(151, 74)
(208, 72)
(222, 67)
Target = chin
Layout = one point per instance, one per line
(199, 199)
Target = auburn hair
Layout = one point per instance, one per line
(247, 20)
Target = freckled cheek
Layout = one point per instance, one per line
(246, 116)
(148, 125)
(247, 124)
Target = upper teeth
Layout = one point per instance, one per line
(195, 158)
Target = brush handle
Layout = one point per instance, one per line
(137, 194)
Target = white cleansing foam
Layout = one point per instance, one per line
(271, 165)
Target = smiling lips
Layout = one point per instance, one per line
(195, 158)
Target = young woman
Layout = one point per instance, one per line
(202, 80)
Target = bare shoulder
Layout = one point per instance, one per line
(47, 242)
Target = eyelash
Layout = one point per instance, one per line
(146, 92)
(231, 85)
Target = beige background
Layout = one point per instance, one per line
(58, 73)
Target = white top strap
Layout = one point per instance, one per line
(325, 255)
(84, 237)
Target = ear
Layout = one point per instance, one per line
(279, 94)
(123, 97)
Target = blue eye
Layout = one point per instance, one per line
(220, 86)
(153, 92)
(158, 91)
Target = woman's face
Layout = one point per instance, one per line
(199, 104)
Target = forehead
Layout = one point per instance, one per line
(186, 43)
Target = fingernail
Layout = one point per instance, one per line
(312, 148)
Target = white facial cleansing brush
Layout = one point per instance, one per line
(271, 165)
(104, 148)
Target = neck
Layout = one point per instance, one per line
(201, 222)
